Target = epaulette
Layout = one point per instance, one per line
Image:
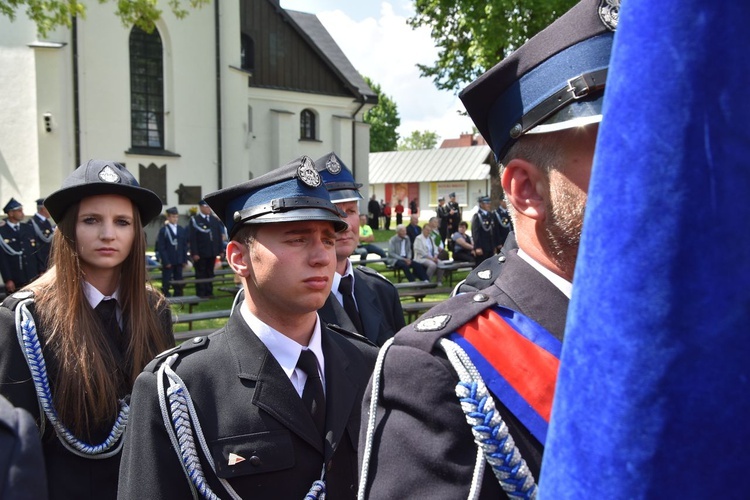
(184, 348)
(445, 318)
(12, 300)
(349, 334)
(373, 272)
(483, 276)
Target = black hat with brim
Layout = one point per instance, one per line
(100, 177)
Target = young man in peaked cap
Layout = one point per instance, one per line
(361, 299)
(41, 224)
(172, 243)
(18, 264)
(274, 395)
(205, 241)
(498, 348)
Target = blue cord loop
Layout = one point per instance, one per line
(32, 350)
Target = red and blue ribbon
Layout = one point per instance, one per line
(518, 361)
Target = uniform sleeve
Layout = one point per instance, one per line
(420, 429)
(150, 468)
(15, 378)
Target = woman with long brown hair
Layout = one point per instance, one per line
(73, 342)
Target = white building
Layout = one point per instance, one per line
(228, 93)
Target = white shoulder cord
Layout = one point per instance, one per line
(377, 375)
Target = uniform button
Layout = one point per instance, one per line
(480, 297)
(197, 340)
(501, 258)
(255, 460)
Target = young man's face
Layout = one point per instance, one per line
(173, 218)
(291, 268)
(347, 241)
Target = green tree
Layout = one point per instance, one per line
(474, 35)
(49, 14)
(418, 140)
(383, 120)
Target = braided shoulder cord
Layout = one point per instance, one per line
(490, 432)
(318, 488)
(200, 229)
(32, 350)
(377, 375)
(40, 233)
(180, 421)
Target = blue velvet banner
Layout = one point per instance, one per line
(653, 395)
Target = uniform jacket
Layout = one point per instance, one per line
(420, 425)
(412, 232)
(22, 475)
(69, 475)
(487, 272)
(172, 247)
(23, 268)
(484, 231)
(378, 303)
(43, 230)
(247, 405)
(205, 237)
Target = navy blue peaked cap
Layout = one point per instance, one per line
(97, 177)
(13, 204)
(338, 179)
(294, 192)
(552, 82)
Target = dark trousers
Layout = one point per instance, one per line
(204, 268)
(418, 269)
(387, 222)
(173, 272)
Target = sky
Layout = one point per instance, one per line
(380, 45)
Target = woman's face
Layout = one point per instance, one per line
(105, 230)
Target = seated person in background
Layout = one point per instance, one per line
(367, 240)
(400, 255)
(463, 247)
(426, 253)
(442, 250)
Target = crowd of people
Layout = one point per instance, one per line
(315, 386)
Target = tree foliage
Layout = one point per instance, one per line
(419, 140)
(474, 35)
(383, 120)
(50, 14)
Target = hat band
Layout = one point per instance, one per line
(279, 205)
(332, 186)
(576, 88)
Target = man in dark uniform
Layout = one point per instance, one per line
(22, 471)
(361, 299)
(443, 215)
(454, 214)
(205, 237)
(498, 349)
(276, 393)
(172, 243)
(43, 228)
(18, 264)
(373, 207)
(484, 231)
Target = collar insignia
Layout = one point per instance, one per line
(307, 173)
(433, 324)
(234, 459)
(484, 275)
(107, 174)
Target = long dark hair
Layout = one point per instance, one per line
(87, 387)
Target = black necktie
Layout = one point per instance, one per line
(345, 289)
(107, 311)
(313, 396)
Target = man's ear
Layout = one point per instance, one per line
(238, 258)
(525, 188)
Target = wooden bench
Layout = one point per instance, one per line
(415, 284)
(414, 309)
(419, 294)
(199, 316)
(216, 280)
(190, 300)
(449, 269)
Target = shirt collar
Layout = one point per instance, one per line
(337, 279)
(94, 296)
(560, 283)
(285, 350)
(40, 216)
